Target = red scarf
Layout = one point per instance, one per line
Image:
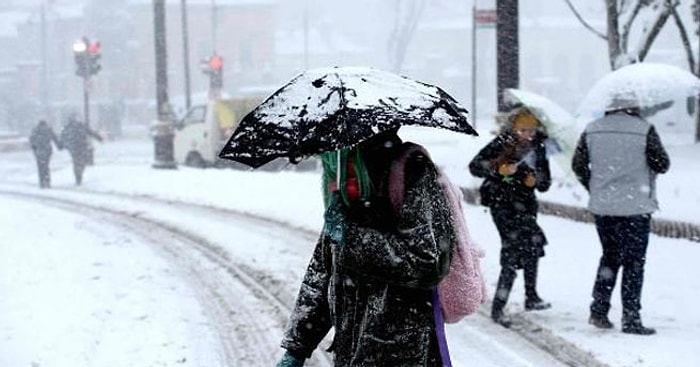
(352, 188)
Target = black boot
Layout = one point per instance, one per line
(536, 303)
(533, 302)
(632, 324)
(497, 314)
(505, 283)
(638, 329)
(600, 321)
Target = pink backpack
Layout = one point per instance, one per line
(463, 290)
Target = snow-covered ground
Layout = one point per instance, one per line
(48, 286)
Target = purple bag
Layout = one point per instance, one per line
(463, 290)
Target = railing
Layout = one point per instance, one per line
(661, 227)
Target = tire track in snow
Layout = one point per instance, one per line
(248, 308)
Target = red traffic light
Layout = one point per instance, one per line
(94, 48)
(216, 62)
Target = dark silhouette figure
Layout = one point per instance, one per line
(74, 137)
(40, 140)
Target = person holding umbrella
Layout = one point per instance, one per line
(514, 165)
(374, 271)
(617, 160)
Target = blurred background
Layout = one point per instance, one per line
(260, 44)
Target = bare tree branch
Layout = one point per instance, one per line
(624, 38)
(404, 26)
(583, 21)
(685, 39)
(614, 49)
(648, 39)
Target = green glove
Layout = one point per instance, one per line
(290, 361)
(335, 218)
(508, 179)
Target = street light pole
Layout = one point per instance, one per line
(186, 54)
(508, 68)
(697, 72)
(44, 63)
(474, 66)
(82, 60)
(305, 22)
(162, 128)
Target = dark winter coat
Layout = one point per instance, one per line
(513, 204)
(74, 137)
(40, 140)
(375, 289)
(495, 191)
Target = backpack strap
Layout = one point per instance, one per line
(397, 175)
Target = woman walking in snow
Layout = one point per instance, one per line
(513, 165)
(374, 269)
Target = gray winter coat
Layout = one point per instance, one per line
(375, 289)
(617, 160)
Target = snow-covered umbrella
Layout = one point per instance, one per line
(644, 85)
(558, 122)
(327, 109)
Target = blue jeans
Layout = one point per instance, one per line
(624, 241)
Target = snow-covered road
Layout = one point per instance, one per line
(158, 257)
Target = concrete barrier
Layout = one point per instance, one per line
(661, 227)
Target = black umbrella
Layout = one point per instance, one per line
(332, 108)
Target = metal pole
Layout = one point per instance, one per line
(162, 129)
(214, 93)
(305, 20)
(474, 75)
(44, 64)
(86, 101)
(507, 48)
(697, 72)
(213, 27)
(186, 54)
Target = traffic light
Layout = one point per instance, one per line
(80, 53)
(216, 64)
(87, 57)
(94, 58)
(214, 67)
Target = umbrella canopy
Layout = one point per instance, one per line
(553, 116)
(644, 85)
(327, 109)
(559, 123)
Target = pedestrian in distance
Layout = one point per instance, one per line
(374, 269)
(513, 165)
(617, 159)
(74, 137)
(40, 140)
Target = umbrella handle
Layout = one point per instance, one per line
(337, 174)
